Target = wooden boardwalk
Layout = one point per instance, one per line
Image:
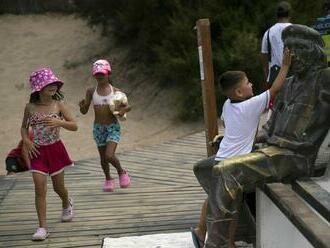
(164, 197)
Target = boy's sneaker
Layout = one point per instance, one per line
(40, 234)
(67, 214)
(109, 185)
(124, 179)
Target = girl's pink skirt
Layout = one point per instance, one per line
(52, 159)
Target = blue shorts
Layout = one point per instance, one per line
(106, 133)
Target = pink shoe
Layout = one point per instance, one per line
(109, 185)
(124, 180)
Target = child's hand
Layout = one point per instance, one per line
(286, 57)
(121, 112)
(122, 109)
(26, 158)
(82, 103)
(52, 122)
(30, 148)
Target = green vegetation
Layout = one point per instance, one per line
(35, 6)
(160, 35)
(161, 38)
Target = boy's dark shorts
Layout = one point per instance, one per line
(12, 165)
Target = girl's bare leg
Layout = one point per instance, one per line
(111, 157)
(59, 188)
(104, 162)
(40, 188)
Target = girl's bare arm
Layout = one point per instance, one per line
(68, 123)
(29, 146)
(85, 103)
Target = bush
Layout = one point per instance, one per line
(35, 6)
(160, 35)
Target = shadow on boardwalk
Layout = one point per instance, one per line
(164, 197)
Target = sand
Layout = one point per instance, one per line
(68, 45)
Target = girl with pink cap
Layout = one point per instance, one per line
(106, 129)
(46, 113)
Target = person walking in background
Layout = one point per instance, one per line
(46, 113)
(322, 25)
(106, 129)
(17, 160)
(240, 116)
(272, 44)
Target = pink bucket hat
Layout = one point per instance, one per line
(101, 66)
(43, 77)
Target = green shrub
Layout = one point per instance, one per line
(35, 6)
(160, 36)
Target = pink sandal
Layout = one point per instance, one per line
(109, 185)
(124, 180)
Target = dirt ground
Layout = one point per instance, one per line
(68, 46)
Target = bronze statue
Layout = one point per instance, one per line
(300, 121)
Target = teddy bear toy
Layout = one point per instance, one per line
(117, 100)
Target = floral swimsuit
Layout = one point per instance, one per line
(42, 134)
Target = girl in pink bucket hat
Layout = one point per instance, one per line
(46, 113)
(106, 129)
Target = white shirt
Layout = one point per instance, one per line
(241, 122)
(276, 43)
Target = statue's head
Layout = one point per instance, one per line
(307, 48)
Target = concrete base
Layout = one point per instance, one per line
(274, 230)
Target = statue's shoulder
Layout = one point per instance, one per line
(324, 79)
(325, 72)
(324, 76)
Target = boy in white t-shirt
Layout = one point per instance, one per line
(240, 115)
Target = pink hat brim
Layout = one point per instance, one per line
(59, 82)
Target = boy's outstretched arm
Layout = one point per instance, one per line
(280, 79)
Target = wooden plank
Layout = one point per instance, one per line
(164, 197)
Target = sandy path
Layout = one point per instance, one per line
(68, 46)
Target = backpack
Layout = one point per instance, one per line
(275, 69)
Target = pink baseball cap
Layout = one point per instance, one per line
(101, 66)
(43, 77)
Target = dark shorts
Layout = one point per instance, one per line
(13, 165)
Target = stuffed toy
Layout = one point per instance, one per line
(117, 100)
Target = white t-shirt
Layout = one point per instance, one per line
(241, 122)
(276, 43)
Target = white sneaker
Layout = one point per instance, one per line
(40, 234)
(67, 214)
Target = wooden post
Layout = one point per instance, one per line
(207, 81)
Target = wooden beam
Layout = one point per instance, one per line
(207, 81)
